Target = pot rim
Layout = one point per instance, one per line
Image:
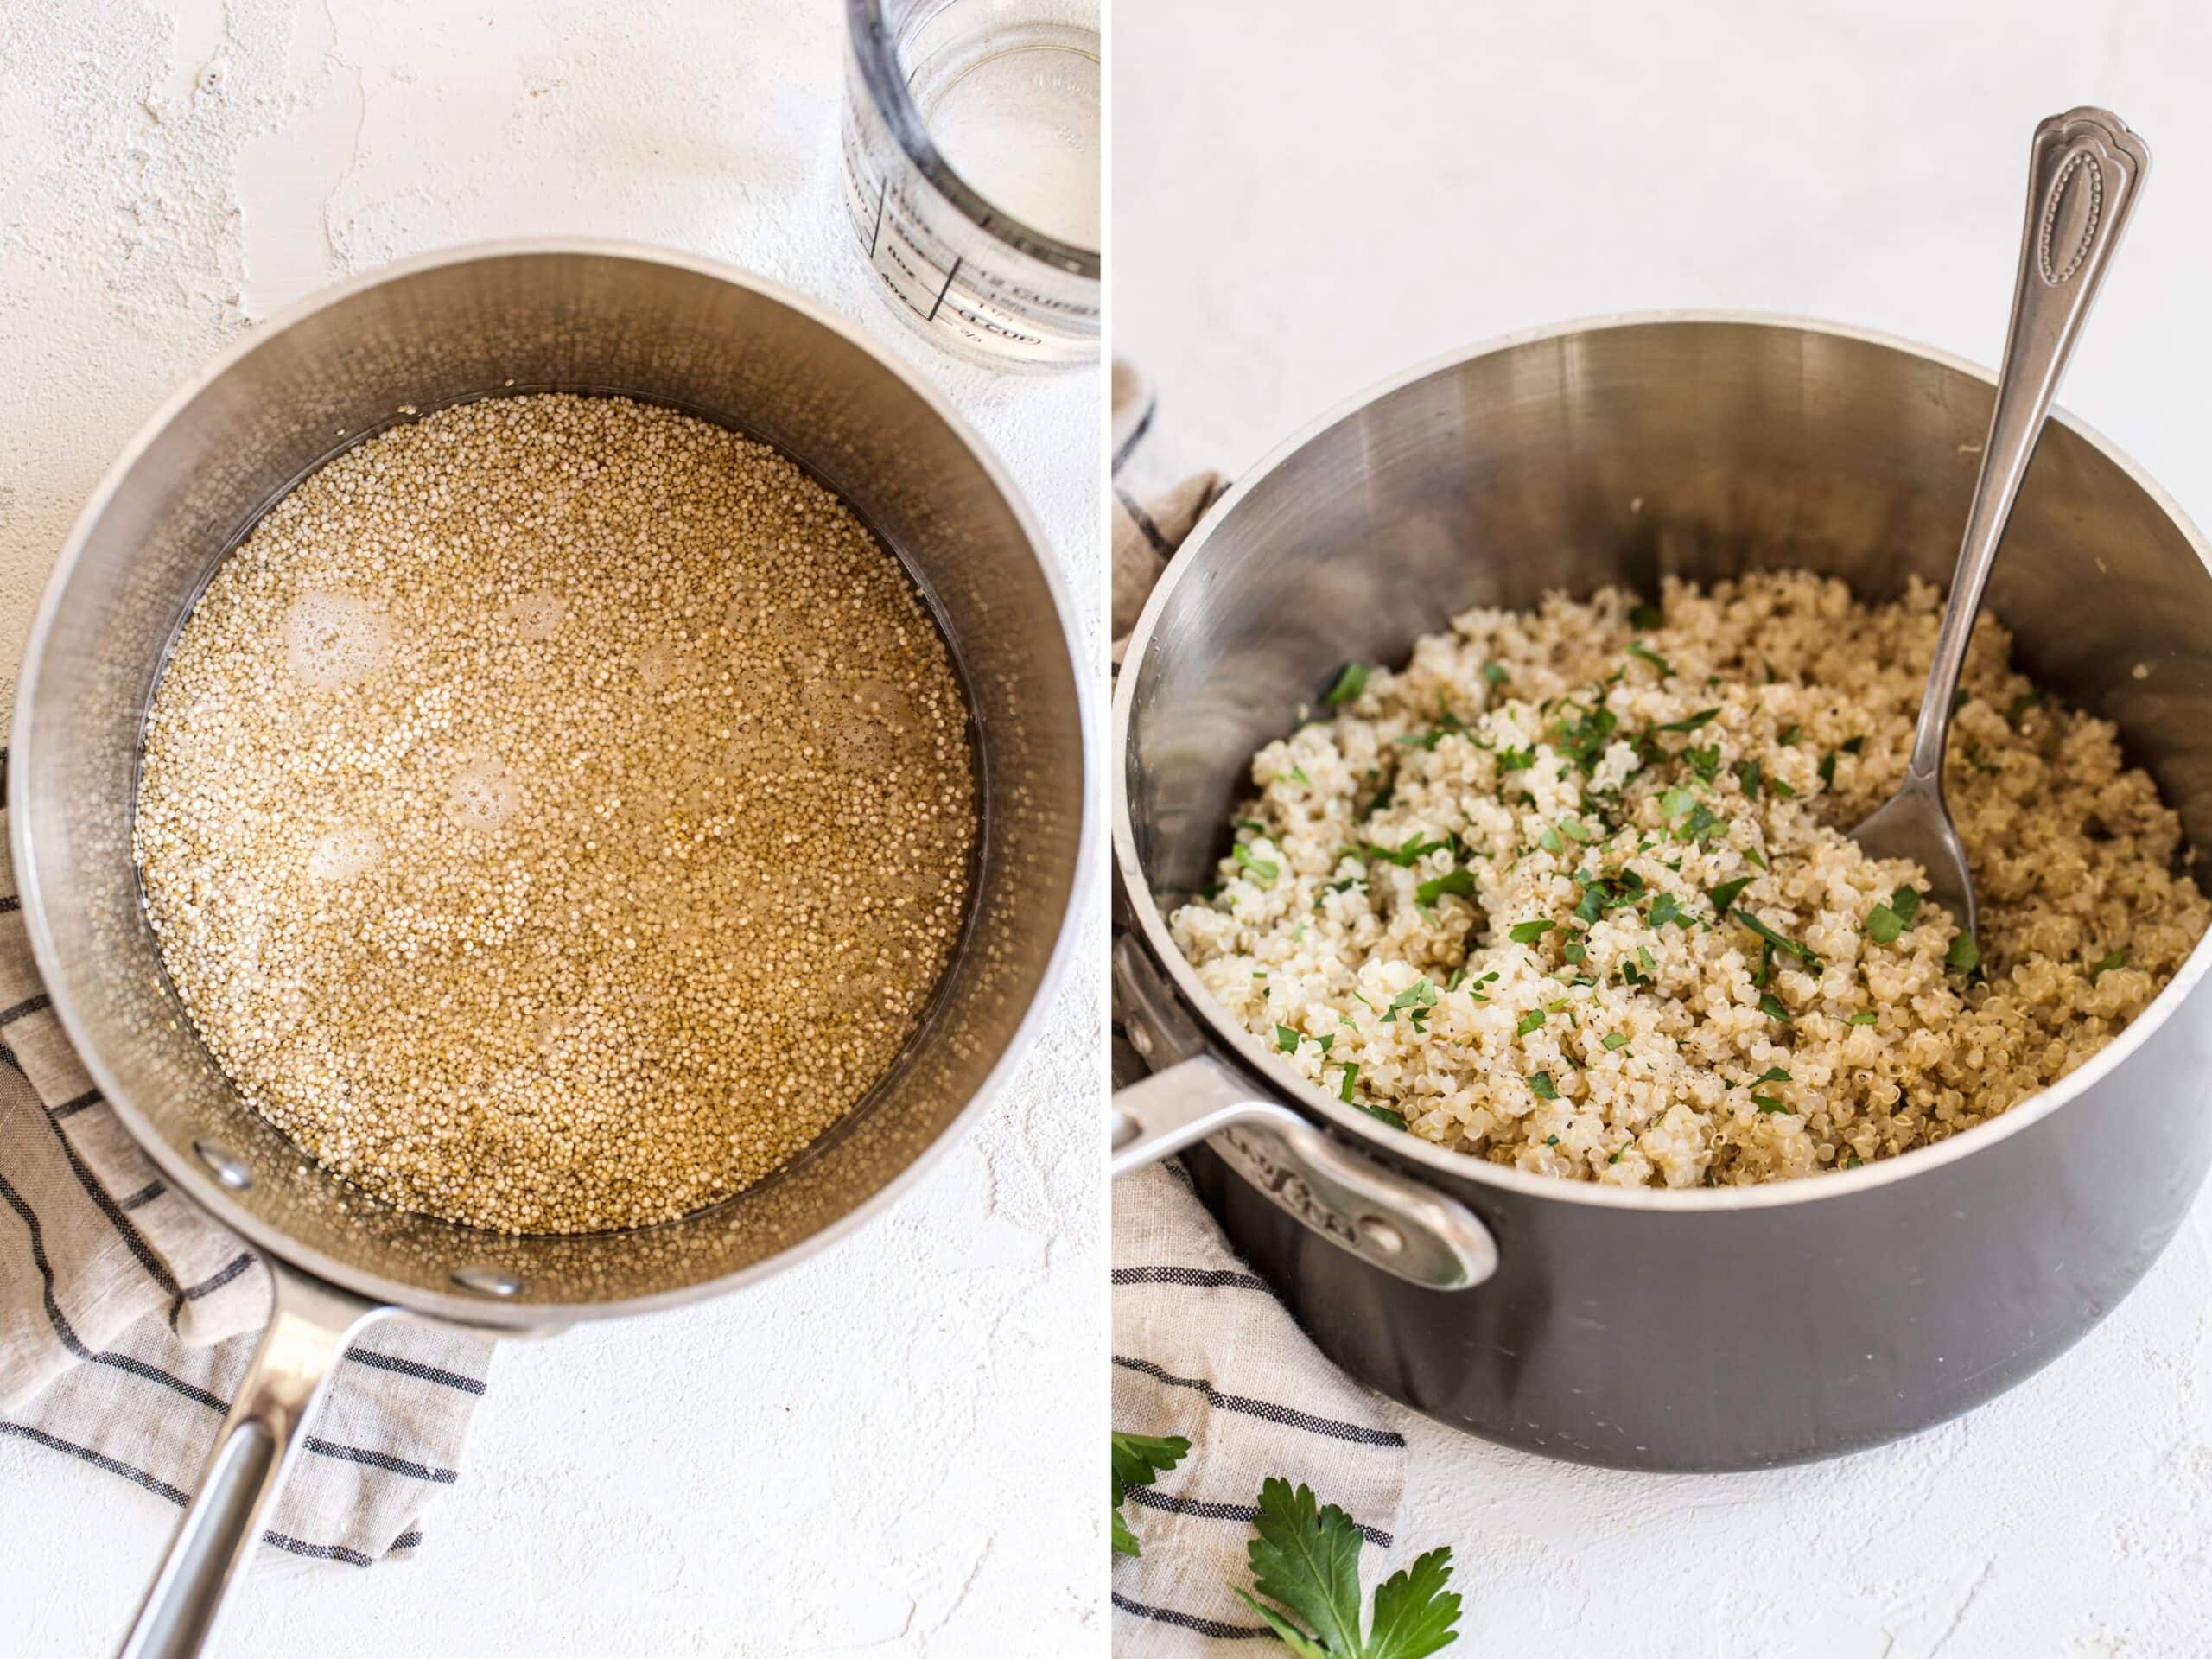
(181, 1170)
(1253, 1056)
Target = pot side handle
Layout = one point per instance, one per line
(310, 1325)
(1386, 1220)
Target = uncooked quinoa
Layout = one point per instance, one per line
(1574, 892)
(556, 813)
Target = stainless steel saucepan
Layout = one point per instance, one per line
(1709, 1329)
(508, 319)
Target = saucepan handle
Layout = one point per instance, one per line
(1378, 1214)
(309, 1326)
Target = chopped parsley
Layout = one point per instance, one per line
(1263, 871)
(1529, 1022)
(2020, 705)
(1459, 882)
(2117, 959)
(1853, 745)
(1691, 723)
(1964, 955)
(1773, 1074)
(1344, 1082)
(1788, 737)
(1770, 1005)
(1778, 942)
(1549, 839)
(1417, 999)
(1666, 908)
(1646, 617)
(1351, 680)
(1864, 1020)
(1884, 925)
(1906, 902)
(1405, 855)
(1574, 950)
(1530, 932)
(1705, 762)
(1827, 770)
(1515, 760)
(1768, 1103)
(1496, 673)
(1541, 1085)
(1287, 1039)
(1616, 1040)
(1727, 894)
(1395, 1119)
(1639, 649)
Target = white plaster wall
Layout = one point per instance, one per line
(891, 1449)
(1309, 196)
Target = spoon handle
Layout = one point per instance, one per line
(2085, 171)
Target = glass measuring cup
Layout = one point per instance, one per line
(971, 161)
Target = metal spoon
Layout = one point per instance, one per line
(2085, 171)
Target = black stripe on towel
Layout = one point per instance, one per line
(144, 1196)
(318, 1552)
(1152, 1498)
(381, 1460)
(153, 1484)
(10, 902)
(1195, 1278)
(1138, 516)
(408, 1540)
(1212, 1627)
(1135, 437)
(1358, 1434)
(71, 1108)
(28, 1005)
(415, 1368)
(215, 1281)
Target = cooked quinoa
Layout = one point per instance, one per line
(556, 813)
(1574, 891)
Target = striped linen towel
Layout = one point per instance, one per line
(127, 1316)
(1202, 1348)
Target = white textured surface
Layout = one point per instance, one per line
(891, 1449)
(1369, 186)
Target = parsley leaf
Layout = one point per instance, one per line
(1727, 894)
(1812, 962)
(1768, 1103)
(1965, 955)
(1529, 1022)
(1263, 871)
(1770, 1005)
(1405, 855)
(1703, 718)
(1884, 925)
(1139, 1459)
(1496, 673)
(1639, 649)
(1344, 1082)
(1666, 908)
(2117, 959)
(1351, 680)
(1616, 1040)
(1418, 998)
(1864, 1020)
(1460, 882)
(1305, 1562)
(1906, 902)
(1541, 1085)
(1287, 1039)
(1530, 932)
(1515, 760)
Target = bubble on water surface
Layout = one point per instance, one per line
(484, 796)
(332, 639)
(537, 617)
(344, 854)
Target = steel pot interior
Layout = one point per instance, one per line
(484, 322)
(1623, 451)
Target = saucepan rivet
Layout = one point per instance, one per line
(486, 1280)
(226, 1165)
(1380, 1234)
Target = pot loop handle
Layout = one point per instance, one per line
(1390, 1223)
(310, 1325)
